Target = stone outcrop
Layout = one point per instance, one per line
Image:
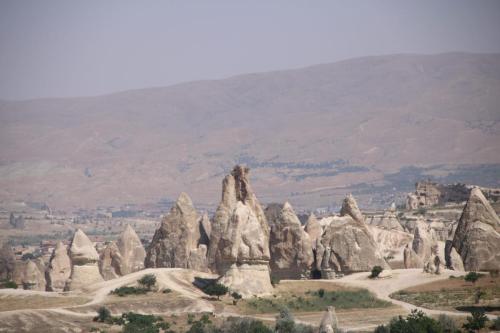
(348, 247)
(205, 229)
(392, 242)
(348, 244)
(59, 269)
(433, 264)
(131, 251)
(239, 241)
(84, 261)
(350, 207)
(290, 246)
(313, 229)
(423, 240)
(389, 220)
(412, 201)
(110, 262)
(33, 278)
(177, 242)
(411, 259)
(7, 262)
(452, 258)
(477, 237)
(329, 322)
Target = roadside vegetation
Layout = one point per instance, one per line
(472, 292)
(146, 283)
(314, 301)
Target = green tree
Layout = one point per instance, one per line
(236, 297)
(376, 270)
(147, 281)
(216, 289)
(476, 321)
(103, 315)
(472, 277)
(415, 322)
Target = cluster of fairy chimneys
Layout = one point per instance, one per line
(246, 244)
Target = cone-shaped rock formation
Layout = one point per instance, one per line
(59, 269)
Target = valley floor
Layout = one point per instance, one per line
(23, 311)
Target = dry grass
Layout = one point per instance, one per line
(453, 294)
(16, 302)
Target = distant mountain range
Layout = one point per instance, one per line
(310, 135)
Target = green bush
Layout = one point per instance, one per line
(10, 285)
(476, 321)
(124, 291)
(416, 321)
(472, 277)
(285, 323)
(215, 289)
(321, 292)
(496, 324)
(381, 329)
(447, 324)
(244, 325)
(135, 322)
(275, 280)
(167, 291)
(103, 315)
(376, 270)
(147, 281)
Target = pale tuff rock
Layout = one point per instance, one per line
(131, 250)
(84, 260)
(350, 207)
(477, 237)
(433, 265)
(389, 220)
(82, 251)
(83, 276)
(313, 229)
(205, 229)
(239, 240)
(177, 239)
(110, 262)
(412, 202)
(391, 242)
(59, 269)
(290, 246)
(7, 262)
(452, 258)
(423, 241)
(33, 278)
(329, 322)
(349, 247)
(411, 259)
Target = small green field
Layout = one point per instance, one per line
(313, 301)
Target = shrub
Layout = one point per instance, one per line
(376, 270)
(135, 322)
(285, 323)
(496, 324)
(147, 281)
(245, 325)
(215, 289)
(10, 285)
(103, 315)
(416, 321)
(124, 291)
(167, 291)
(275, 280)
(447, 324)
(321, 292)
(472, 277)
(236, 297)
(381, 329)
(478, 294)
(476, 321)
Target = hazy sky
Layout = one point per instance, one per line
(73, 48)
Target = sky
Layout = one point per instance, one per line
(52, 48)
